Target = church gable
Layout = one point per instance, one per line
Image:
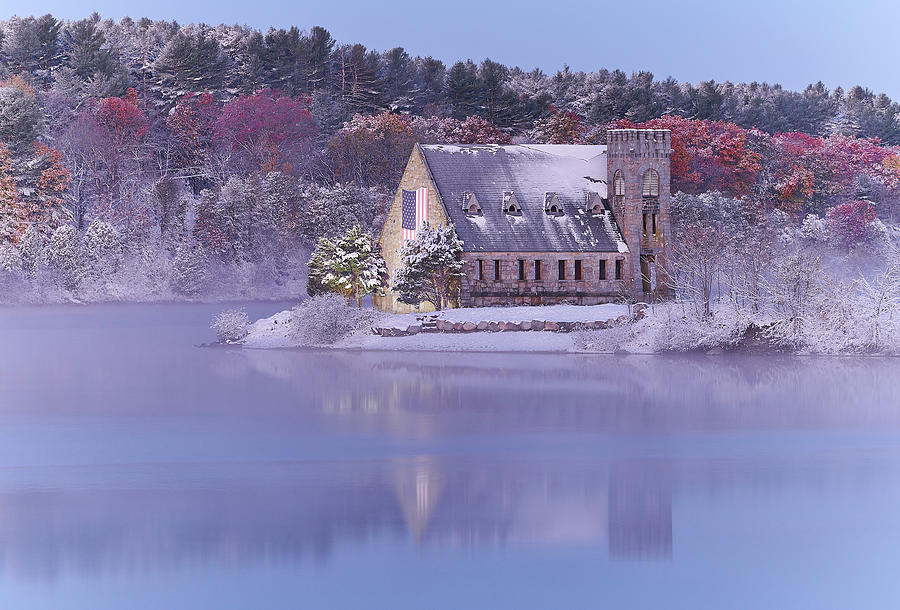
(415, 176)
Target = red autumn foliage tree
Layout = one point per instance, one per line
(373, 150)
(265, 127)
(558, 128)
(849, 222)
(709, 155)
(473, 130)
(123, 117)
(45, 208)
(192, 124)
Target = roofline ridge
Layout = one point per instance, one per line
(599, 146)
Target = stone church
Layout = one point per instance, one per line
(543, 224)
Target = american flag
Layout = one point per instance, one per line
(415, 212)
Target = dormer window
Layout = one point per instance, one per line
(511, 204)
(470, 204)
(552, 205)
(593, 203)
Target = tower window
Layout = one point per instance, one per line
(562, 269)
(655, 233)
(602, 264)
(578, 274)
(650, 183)
(498, 270)
(522, 269)
(619, 184)
(645, 225)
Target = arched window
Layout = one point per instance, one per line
(619, 184)
(650, 184)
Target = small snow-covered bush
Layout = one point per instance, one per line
(10, 259)
(230, 325)
(815, 228)
(325, 320)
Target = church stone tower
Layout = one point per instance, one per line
(638, 176)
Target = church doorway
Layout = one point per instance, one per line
(648, 273)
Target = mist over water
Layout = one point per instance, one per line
(139, 471)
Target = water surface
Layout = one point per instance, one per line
(138, 471)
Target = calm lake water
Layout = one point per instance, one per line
(138, 471)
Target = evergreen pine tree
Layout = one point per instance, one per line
(12, 214)
(190, 63)
(350, 266)
(462, 89)
(65, 256)
(431, 268)
(31, 251)
(189, 269)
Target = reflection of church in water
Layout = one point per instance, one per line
(624, 506)
(297, 515)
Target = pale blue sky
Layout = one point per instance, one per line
(793, 42)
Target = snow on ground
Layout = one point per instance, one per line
(555, 313)
(271, 332)
(275, 332)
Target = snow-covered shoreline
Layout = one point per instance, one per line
(662, 328)
(275, 331)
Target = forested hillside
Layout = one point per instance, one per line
(146, 159)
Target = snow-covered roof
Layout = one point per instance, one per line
(573, 173)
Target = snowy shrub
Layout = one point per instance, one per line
(879, 233)
(64, 255)
(325, 320)
(230, 325)
(849, 222)
(814, 228)
(102, 248)
(10, 259)
(682, 331)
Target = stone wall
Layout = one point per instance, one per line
(415, 176)
(510, 290)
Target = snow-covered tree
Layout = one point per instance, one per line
(64, 255)
(12, 213)
(796, 283)
(431, 267)
(21, 118)
(189, 269)
(31, 250)
(10, 259)
(102, 248)
(349, 265)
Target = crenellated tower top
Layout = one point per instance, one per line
(638, 143)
